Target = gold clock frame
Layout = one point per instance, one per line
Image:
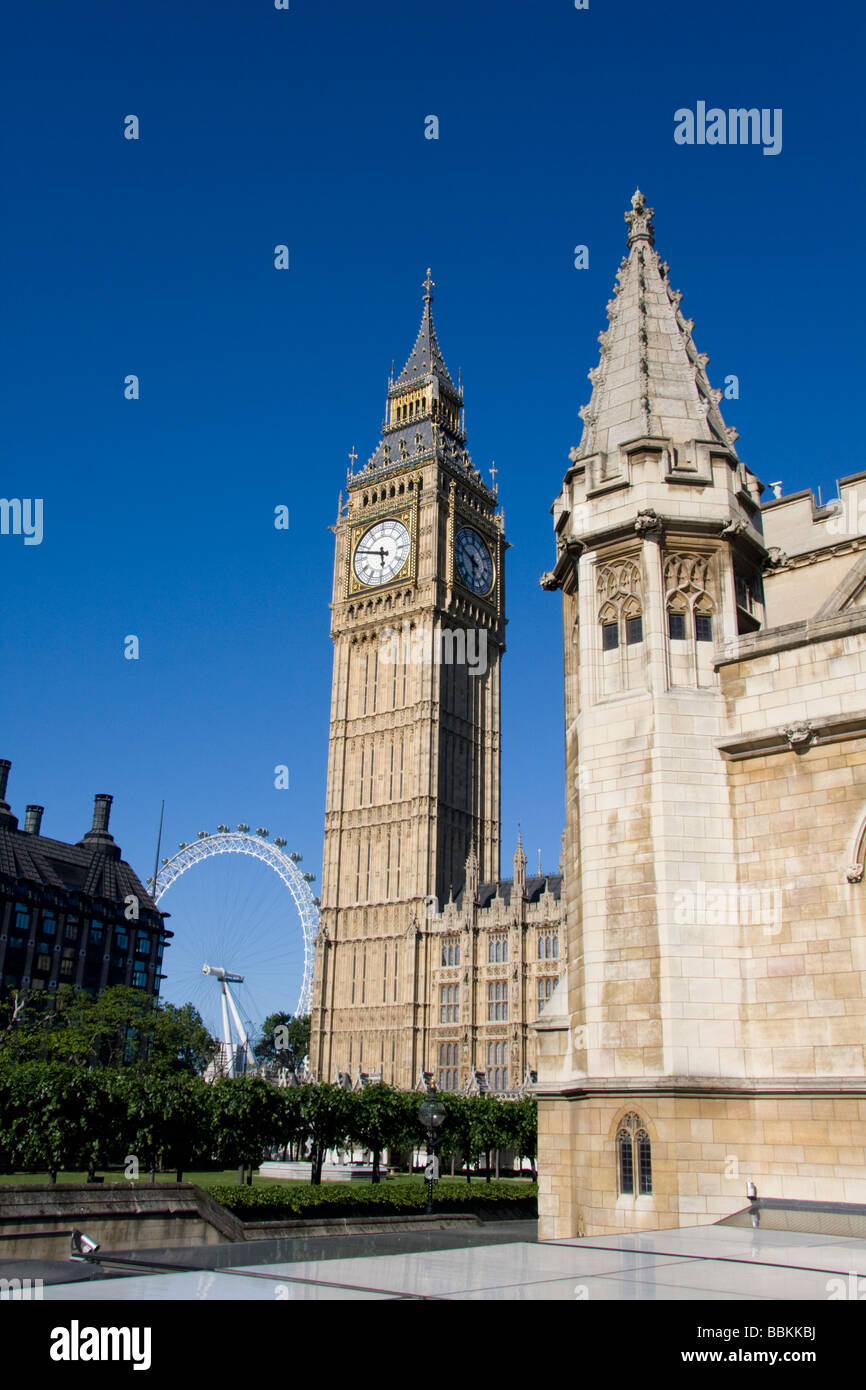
(406, 515)
(462, 522)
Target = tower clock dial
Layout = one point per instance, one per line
(472, 557)
(381, 552)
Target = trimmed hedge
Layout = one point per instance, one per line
(276, 1202)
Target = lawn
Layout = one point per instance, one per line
(229, 1177)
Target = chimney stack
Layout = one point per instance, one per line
(97, 836)
(101, 812)
(33, 819)
(7, 820)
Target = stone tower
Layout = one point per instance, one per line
(418, 629)
(672, 1066)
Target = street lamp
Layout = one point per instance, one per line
(431, 1113)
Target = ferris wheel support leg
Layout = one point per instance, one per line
(242, 1032)
(227, 1032)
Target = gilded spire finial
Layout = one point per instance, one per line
(428, 286)
(640, 225)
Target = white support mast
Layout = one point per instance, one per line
(230, 1046)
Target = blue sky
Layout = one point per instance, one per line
(306, 127)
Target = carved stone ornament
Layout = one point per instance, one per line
(735, 527)
(648, 522)
(799, 735)
(854, 873)
(548, 580)
(640, 225)
(776, 557)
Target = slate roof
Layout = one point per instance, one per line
(425, 359)
(535, 886)
(95, 869)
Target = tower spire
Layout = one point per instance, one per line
(426, 360)
(651, 380)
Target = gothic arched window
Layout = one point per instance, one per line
(633, 619)
(619, 589)
(690, 611)
(686, 580)
(634, 1158)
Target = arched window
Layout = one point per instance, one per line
(690, 612)
(677, 613)
(703, 619)
(634, 1158)
(690, 608)
(633, 619)
(619, 589)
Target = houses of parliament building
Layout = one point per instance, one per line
(687, 997)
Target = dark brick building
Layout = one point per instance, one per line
(73, 914)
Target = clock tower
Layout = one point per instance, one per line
(418, 627)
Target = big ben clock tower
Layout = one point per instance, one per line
(418, 628)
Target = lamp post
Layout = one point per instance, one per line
(431, 1113)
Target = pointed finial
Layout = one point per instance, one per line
(640, 226)
(352, 458)
(428, 286)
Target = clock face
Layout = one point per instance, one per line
(474, 564)
(381, 552)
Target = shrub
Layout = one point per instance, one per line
(279, 1202)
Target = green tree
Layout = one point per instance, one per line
(179, 1041)
(57, 1116)
(285, 1040)
(524, 1128)
(167, 1118)
(293, 1129)
(247, 1114)
(462, 1131)
(379, 1118)
(326, 1112)
(494, 1131)
(120, 1027)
